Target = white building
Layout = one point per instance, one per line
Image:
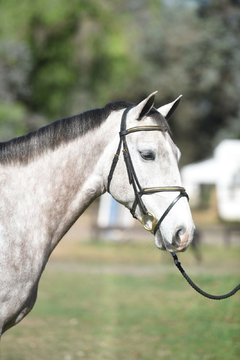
(223, 171)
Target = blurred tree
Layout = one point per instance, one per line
(224, 100)
(194, 50)
(59, 58)
(15, 65)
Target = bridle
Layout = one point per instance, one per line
(139, 192)
(133, 179)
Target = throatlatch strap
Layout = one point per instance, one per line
(128, 165)
(114, 163)
(116, 156)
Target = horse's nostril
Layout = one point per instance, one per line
(181, 233)
(179, 237)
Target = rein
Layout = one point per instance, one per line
(133, 179)
(195, 287)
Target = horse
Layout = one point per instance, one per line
(50, 176)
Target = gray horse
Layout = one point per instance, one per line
(49, 177)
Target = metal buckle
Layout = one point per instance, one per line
(154, 221)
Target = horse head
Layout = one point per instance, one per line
(146, 178)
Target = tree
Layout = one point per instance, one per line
(195, 51)
(58, 58)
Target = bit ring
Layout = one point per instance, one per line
(154, 221)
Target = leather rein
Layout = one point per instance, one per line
(133, 179)
(139, 192)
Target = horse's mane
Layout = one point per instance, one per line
(25, 148)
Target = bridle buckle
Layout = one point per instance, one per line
(154, 221)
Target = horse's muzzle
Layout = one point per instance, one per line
(181, 240)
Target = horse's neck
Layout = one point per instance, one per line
(50, 193)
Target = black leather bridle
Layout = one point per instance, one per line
(133, 179)
(139, 191)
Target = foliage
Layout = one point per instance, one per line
(51, 51)
(59, 58)
(186, 52)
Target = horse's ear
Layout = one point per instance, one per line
(168, 109)
(141, 110)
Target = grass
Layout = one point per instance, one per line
(114, 301)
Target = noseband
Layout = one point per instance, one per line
(133, 179)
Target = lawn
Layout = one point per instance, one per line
(115, 301)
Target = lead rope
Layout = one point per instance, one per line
(195, 287)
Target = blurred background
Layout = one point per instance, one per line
(59, 58)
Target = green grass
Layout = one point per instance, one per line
(111, 301)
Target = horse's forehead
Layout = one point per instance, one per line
(154, 118)
(159, 140)
(156, 138)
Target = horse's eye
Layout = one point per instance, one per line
(148, 155)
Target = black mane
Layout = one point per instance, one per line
(25, 148)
